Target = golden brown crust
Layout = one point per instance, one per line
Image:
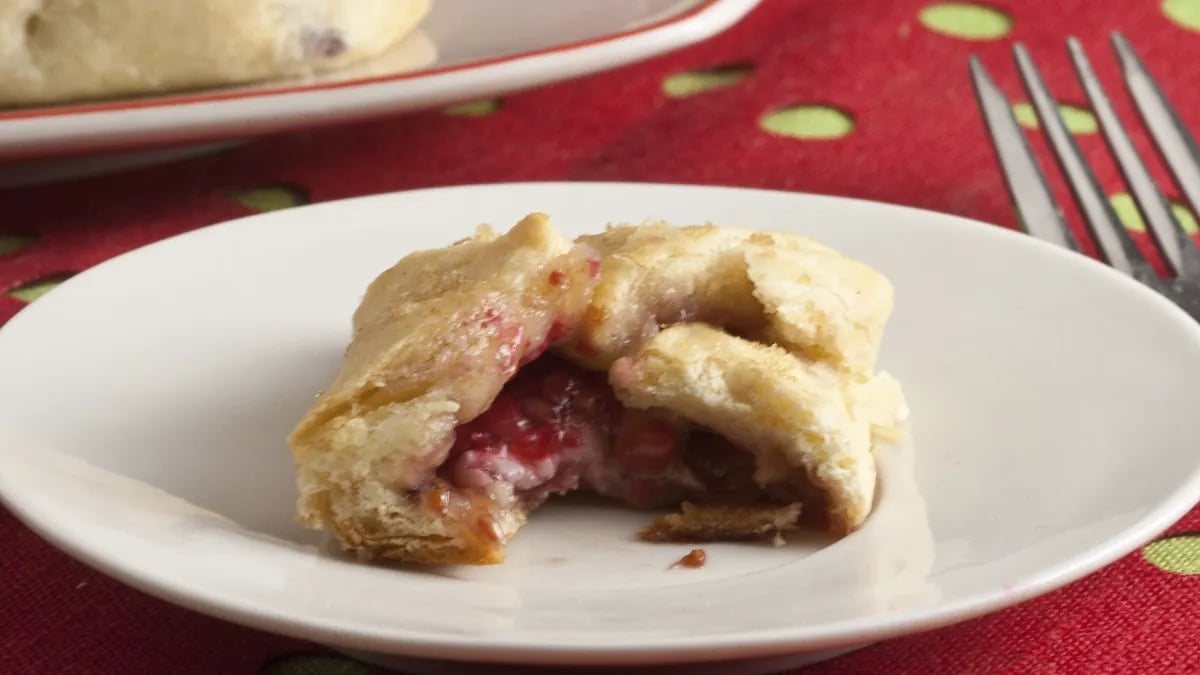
(818, 303)
(774, 287)
(656, 274)
(435, 339)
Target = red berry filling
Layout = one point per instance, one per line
(644, 467)
(547, 424)
(556, 427)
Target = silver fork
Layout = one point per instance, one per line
(1031, 195)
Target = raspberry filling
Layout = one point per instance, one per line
(555, 428)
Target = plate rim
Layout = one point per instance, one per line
(770, 642)
(228, 110)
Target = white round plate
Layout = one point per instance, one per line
(464, 50)
(144, 405)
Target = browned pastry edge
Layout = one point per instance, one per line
(720, 522)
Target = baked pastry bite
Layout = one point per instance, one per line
(640, 364)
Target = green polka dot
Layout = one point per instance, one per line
(1186, 13)
(1186, 218)
(1078, 120)
(966, 21)
(1127, 212)
(692, 82)
(474, 108)
(11, 243)
(1025, 114)
(38, 287)
(1177, 555)
(271, 197)
(808, 122)
(312, 664)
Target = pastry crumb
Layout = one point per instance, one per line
(694, 559)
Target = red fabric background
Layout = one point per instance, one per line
(918, 141)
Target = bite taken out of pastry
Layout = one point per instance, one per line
(725, 370)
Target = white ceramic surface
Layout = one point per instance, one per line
(143, 407)
(465, 49)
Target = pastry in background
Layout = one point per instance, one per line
(54, 51)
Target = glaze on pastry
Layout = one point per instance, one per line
(773, 286)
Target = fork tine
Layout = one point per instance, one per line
(1027, 185)
(1114, 241)
(1175, 244)
(1174, 141)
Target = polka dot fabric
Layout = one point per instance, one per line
(868, 99)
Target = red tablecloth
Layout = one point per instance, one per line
(916, 139)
